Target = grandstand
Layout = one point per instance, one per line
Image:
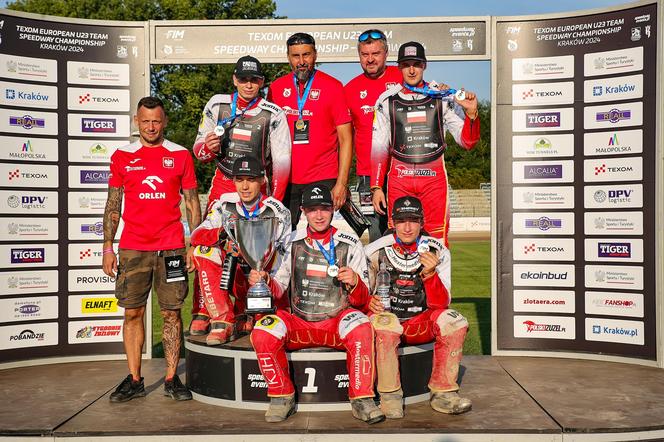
(470, 202)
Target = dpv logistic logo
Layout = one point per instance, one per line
(543, 119)
(613, 116)
(27, 122)
(23, 256)
(553, 171)
(99, 125)
(614, 250)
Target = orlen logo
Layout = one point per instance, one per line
(22, 256)
(95, 176)
(534, 327)
(543, 119)
(552, 171)
(150, 182)
(99, 125)
(614, 250)
(99, 305)
(613, 116)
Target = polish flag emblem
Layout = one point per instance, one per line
(241, 134)
(416, 117)
(317, 270)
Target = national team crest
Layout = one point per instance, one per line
(168, 162)
(363, 94)
(287, 92)
(314, 94)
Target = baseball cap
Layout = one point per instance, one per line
(407, 207)
(248, 166)
(411, 51)
(248, 66)
(316, 195)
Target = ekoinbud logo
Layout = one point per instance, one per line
(613, 169)
(543, 146)
(544, 327)
(613, 89)
(614, 304)
(543, 93)
(614, 250)
(615, 142)
(539, 68)
(98, 125)
(614, 277)
(611, 115)
(543, 171)
(615, 330)
(549, 197)
(531, 120)
(613, 196)
(613, 223)
(613, 62)
(544, 301)
(543, 275)
(543, 223)
(543, 249)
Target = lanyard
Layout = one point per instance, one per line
(330, 258)
(422, 246)
(254, 213)
(303, 99)
(234, 114)
(426, 90)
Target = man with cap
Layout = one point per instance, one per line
(215, 253)
(241, 124)
(327, 275)
(361, 95)
(417, 311)
(408, 143)
(319, 123)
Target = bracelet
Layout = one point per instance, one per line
(108, 250)
(374, 188)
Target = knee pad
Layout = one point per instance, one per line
(212, 254)
(386, 322)
(350, 321)
(273, 325)
(449, 321)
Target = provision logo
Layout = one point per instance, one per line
(542, 119)
(534, 327)
(614, 250)
(613, 116)
(27, 122)
(27, 335)
(543, 172)
(99, 125)
(27, 256)
(543, 223)
(94, 176)
(94, 331)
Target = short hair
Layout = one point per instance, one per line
(150, 103)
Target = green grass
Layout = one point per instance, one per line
(471, 296)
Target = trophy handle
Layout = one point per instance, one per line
(229, 227)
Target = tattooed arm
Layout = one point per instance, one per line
(193, 208)
(111, 222)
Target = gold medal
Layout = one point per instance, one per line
(299, 124)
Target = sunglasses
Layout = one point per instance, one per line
(300, 38)
(374, 34)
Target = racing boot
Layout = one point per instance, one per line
(220, 333)
(365, 409)
(392, 404)
(200, 325)
(280, 408)
(244, 324)
(449, 402)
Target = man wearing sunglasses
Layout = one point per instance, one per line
(408, 142)
(319, 122)
(361, 95)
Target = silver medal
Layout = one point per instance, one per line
(333, 270)
(423, 247)
(460, 94)
(219, 131)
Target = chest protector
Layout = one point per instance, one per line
(316, 296)
(417, 129)
(407, 295)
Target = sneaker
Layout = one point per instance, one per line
(175, 389)
(365, 409)
(221, 332)
(280, 408)
(200, 325)
(450, 402)
(128, 390)
(392, 404)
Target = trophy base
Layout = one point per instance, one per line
(259, 300)
(260, 311)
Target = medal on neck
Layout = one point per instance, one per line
(219, 129)
(432, 89)
(332, 268)
(301, 100)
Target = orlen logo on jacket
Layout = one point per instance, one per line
(614, 250)
(150, 182)
(543, 119)
(22, 256)
(97, 125)
(552, 171)
(95, 176)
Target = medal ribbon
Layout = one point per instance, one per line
(254, 213)
(330, 258)
(406, 252)
(303, 99)
(426, 90)
(234, 114)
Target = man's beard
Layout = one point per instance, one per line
(302, 76)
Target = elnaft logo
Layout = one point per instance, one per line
(99, 305)
(536, 172)
(614, 250)
(27, 122)
(94, 176)
(98, 125)
(613, 116)
(542, 119)
(23, 256)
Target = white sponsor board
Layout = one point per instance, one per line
(28, 335)
(613, 196)
(613, 169)
(470, 224)
(543, 223)
(543, 275)
(86, 203)
(28, 175)
(543, 120)
(29, 149)
(28, 68)
(543, 249)
(614, 250)
(28, 95)
(549, 197)
(84, 306)
(615, 330)
(108, 100)
(614, 142)
(543, 68)
(28, 229)
(28, 309)
(89, 332)
(90, 279)
(28, 255)
(25, 283)
(92, 151)
(28, 202)
(101, 74)
(561, 171)
(613, 62)
(613, 89)
(544, 327)
(544, 301)
(94, 177)
(537, 146)
(543, 93)
(28, 122)
(98, 125)
(613, 223)
(88, 229)
(612, 115)
(614, 277)
(614, 304)
(85, 254)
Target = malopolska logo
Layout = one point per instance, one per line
(613, 142)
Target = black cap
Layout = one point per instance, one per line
(407, 207)
(248, 66)
(248, 166)
(316, 195)
(411, 51)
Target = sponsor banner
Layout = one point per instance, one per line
(28, 255)
(617, 250)
(470, 224)
(542, 249)
(613, 89)
(29, 149)
(28, 229)
(543, 171)
(613, 169)
(82, 306)
(542, 120)
(613, 62)
(613, 115)
(86, 203)
(89, 229)
(86, 254)
(614, 304)
(24, 283)
(613, 196)
(28, 95)
(615, 142)
(30, 335)
(92, 151)
(84, 280)
(28, 68)
(28, 175)
(95, 177)
(614, 277)
(613, 223)
(101, 74)
(30, 202)
(544, 327)
(543, 93)
(107, 100)
(543, 68)
(543, 223)
(98, 125)
(615, 330)
(89, 332)
(543, 275)
(29, 122)
(28, 309)
(533, 146)
(545, 301)
(550, 197)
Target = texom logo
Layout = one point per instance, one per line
(14, 174)
(552, 171)
(97, 125)
(95, 176)
(543, 119)
(22, 256)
